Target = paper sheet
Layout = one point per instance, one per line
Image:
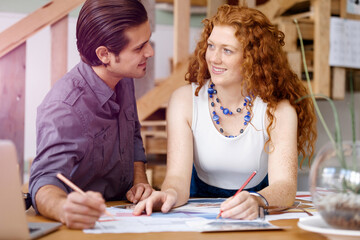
(304, 196)
(199, 215)
(353, 7)
(344, 43)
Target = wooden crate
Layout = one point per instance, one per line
(193, 2)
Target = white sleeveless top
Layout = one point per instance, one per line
(228, 162)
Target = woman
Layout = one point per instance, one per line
(239, 115)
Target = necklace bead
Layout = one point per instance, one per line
(247, 102)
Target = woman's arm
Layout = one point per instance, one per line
(282, 169)
(283, 157)
(176, 187)
(180, 144)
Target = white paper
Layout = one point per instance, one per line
(304, 196)
(344, 43)
(353, 7)
(199, 215)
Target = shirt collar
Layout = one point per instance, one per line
(101, 90)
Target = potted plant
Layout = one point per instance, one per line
(335, 172)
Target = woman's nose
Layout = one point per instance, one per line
(216, 56)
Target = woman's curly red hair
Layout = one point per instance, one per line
(266, 71)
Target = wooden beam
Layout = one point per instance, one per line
(249, 3)
(59, 49)
(212, 7)
(338, 74)
(291, 37)
(12, 99)
(275, 8)
(338, 83)
(322, 11)
(309, 58)
(335, 7)
(156, 145)
(181, 30)
(307, 29)
(154, 123)
(295, 62)
(34, 22)
(156, 97)
(193, 2)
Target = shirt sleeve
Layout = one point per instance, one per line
(139, 151)
(61, 142)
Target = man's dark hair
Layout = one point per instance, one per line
(103, 23)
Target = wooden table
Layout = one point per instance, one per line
(290, 232)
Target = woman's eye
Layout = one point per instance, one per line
(227, 51)
(210, 46)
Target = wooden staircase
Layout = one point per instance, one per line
(13, 65)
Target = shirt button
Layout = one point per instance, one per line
(122, 150)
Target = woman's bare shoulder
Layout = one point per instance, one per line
(182, 96)
(180, 103)
(183, 90)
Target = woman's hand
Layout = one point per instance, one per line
(158, 200)
(242, 206)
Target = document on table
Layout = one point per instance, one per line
(198, 215)
(304, 195)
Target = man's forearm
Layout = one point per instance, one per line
(49, 201)
(139, 173)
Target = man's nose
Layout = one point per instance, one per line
(149, 51)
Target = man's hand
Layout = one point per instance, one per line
(75, 210)
(139, 192)
(141, 189)
(82, 211)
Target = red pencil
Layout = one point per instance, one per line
(240, 189)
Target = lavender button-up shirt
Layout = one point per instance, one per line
(89, 133)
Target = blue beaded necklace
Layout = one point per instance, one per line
(247, 103)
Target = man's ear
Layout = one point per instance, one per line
(103, 54)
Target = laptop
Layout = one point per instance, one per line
(13, 223)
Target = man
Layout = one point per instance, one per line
(87, 125)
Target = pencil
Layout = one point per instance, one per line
(76, 188)
(240, 189)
